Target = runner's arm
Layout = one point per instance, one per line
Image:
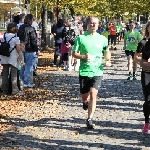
(79, 56)
(137, 57)
(124, 44)
(145, 64)
(107, 55)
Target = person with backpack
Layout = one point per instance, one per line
(27, 35)
(11, 60)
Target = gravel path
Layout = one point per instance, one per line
(57, 121)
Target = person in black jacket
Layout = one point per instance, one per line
(140, 49)
(145, 79)
(57, 32)
(27, 35)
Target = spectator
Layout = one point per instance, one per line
(35, 24)
(11, 62)
(35, 60)
(138, 27)
(21, 20)
(57, 32)
(27, 35)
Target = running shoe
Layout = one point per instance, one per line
(129, 77)
(145, 128)
(85, 106)
(29, 85)
(89, 124)
(134, 78)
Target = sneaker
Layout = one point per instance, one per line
(62, 65)
(85, 106)
(65, 68)
(54, 65)
(71, 68)
(129, 77)
(5, 93)
(111, 47)
(18, 93)
(35, 73)
(89, 123)
(145, 128)
(29, 85)
(134, 78)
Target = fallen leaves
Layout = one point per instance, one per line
(36, 102)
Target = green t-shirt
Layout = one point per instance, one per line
(130, 38)
(119, 28)
(94, 45)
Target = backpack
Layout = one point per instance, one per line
(5, 47)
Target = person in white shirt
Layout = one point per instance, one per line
(21, 20)
(35, 24)
(13, 61)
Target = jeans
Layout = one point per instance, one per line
(27, 71)
(35, 62)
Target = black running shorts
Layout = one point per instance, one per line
(89, 82)
(130, 53)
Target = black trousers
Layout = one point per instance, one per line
(113, 39)
(57, 47)
(145, 81)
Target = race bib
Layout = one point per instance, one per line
(94, 60)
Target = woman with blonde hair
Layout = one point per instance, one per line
(11, 63)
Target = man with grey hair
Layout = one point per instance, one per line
(27, 35)
(89, 48)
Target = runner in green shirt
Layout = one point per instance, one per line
(131, 41)
(89, 49)
(119, 30)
